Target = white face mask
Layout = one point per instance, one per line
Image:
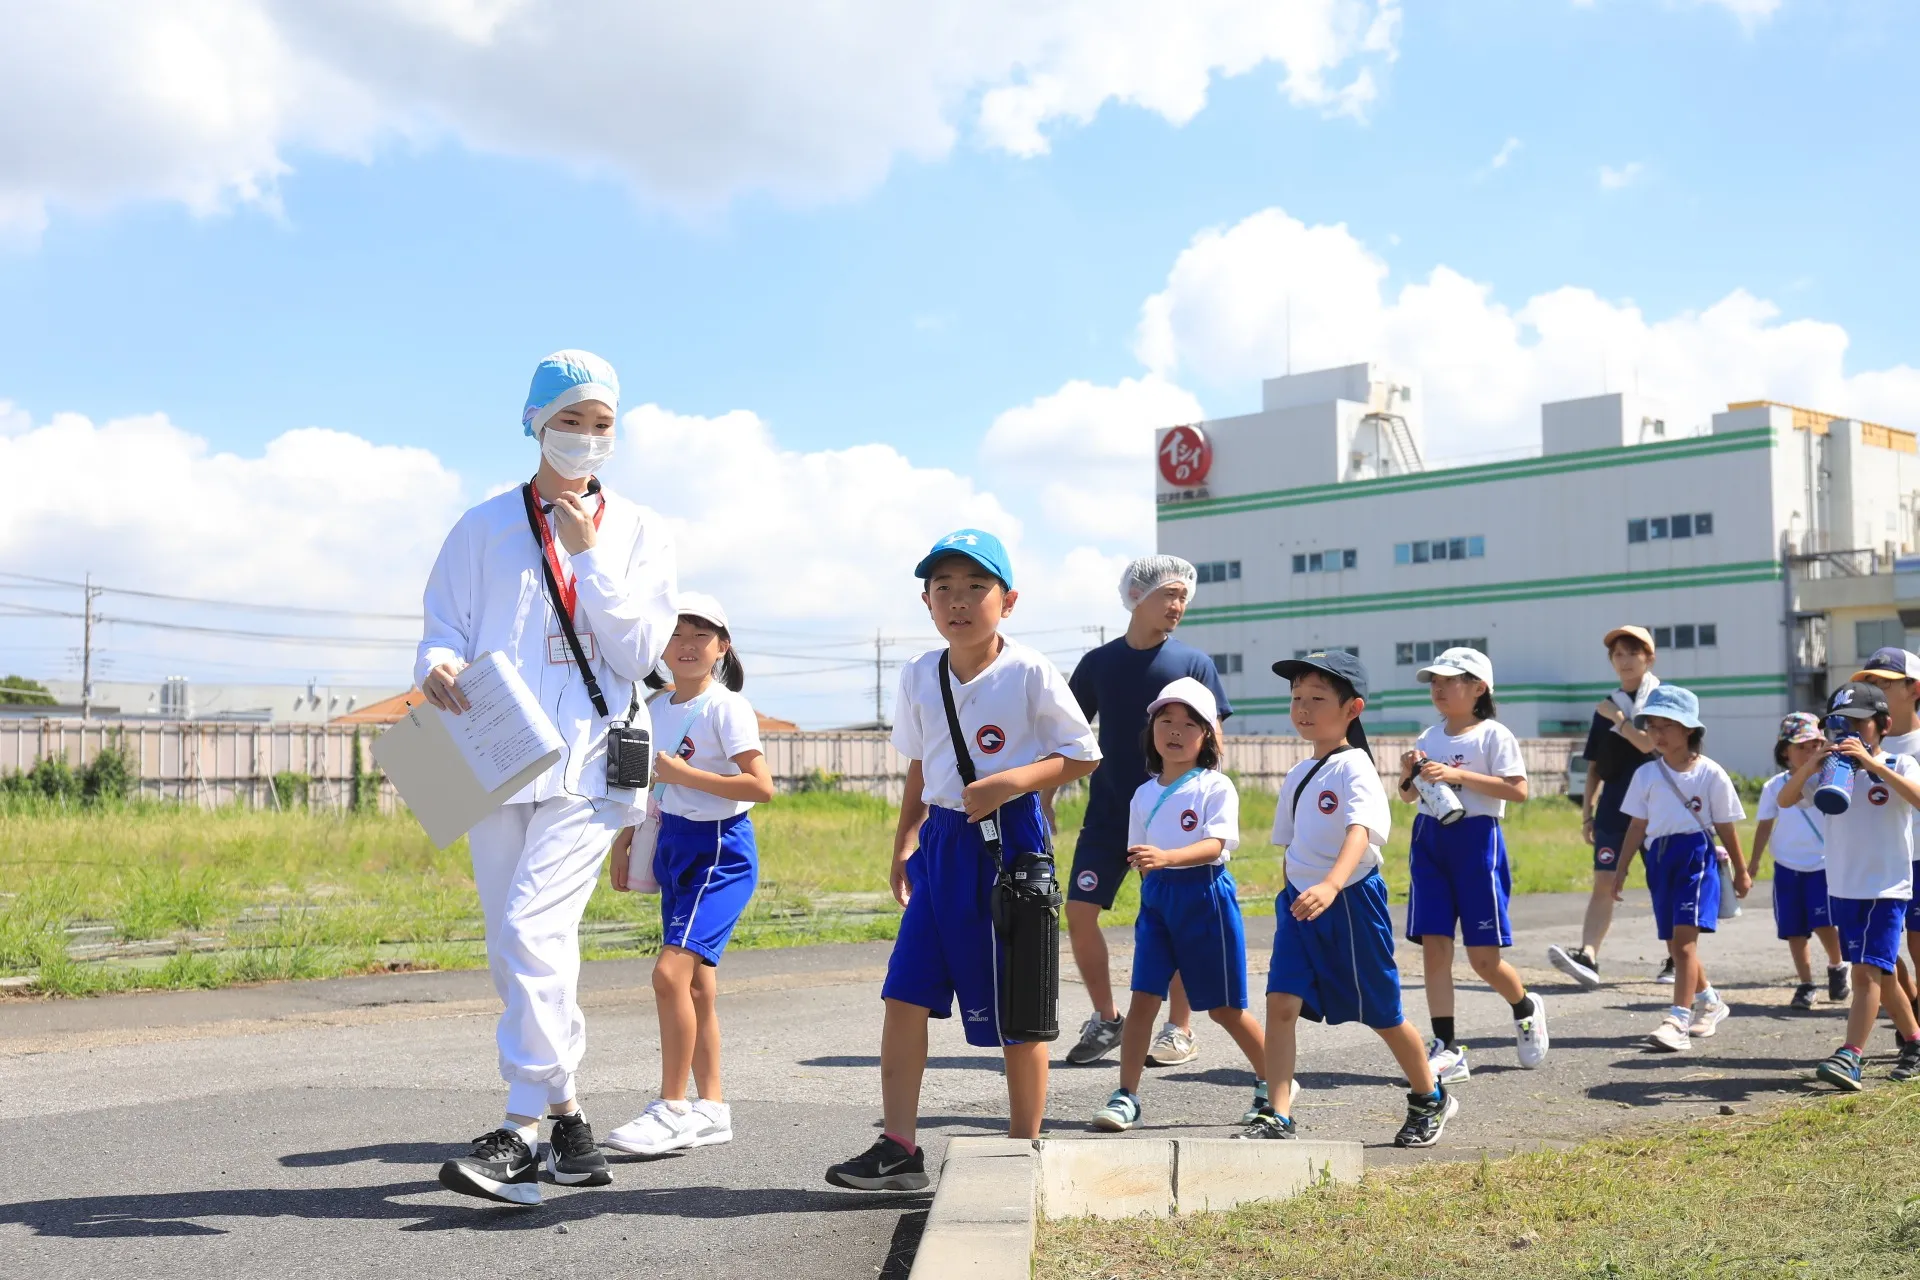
(574, 455)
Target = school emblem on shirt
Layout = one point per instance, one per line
(1877, 794)
(1693, 803)
(1327, 802)
(1189, 820)
(1087, 881)
(686, 749)
(990, 738)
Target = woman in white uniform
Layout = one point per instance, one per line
(537, 858)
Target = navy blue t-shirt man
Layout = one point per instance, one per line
(1114, 684)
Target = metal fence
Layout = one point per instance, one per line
(219, 764)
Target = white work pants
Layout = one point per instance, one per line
(535, 866)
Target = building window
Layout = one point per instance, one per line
(1353, 649)
(1687, 635)
(1227, 664)
(1878, 633)
(1322, 561)
(1439, 549)
(1220, 571)
(1409, 652)
(1698, 524)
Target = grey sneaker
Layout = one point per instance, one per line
(1098, 1038)
(1172, 1048)
(1802, 997)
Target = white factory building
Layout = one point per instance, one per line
(1767, 552)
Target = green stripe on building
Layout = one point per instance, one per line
(1752, 686)
(1493, 593)
(1485, 473)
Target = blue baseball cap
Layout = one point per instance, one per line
(1330, 662)
(976, 545)
(1671, 702)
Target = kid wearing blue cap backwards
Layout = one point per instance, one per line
(1677, 803)
(1869, 876)
(609, 564)
(1023, 731)
(1332, 937)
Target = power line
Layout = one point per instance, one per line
(252, 606)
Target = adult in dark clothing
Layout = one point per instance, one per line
(1114, 683)
(1615, 750)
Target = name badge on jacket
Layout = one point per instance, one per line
(560, 652)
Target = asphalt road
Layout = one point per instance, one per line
(294, 1130)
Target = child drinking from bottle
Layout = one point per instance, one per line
(1797, 834)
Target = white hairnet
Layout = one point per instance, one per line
(1150, 573)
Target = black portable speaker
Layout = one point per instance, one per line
(629, 755)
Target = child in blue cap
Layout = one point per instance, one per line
(1023, 730)
(1677, 804)
(561, 541)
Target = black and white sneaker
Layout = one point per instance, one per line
(1577, 963)
(1839, 983)
(1802, 997)
(884, 1166)
(1666, 971)
(1908, 1068)
(500, 1168)
(1427, 1118)
(574, 1159)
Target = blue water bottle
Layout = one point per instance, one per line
(1835, 790)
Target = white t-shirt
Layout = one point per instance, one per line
(1346, 792)
(1905, 744)
(1709, 793)
(1799, 841)
(1197, 809)
(1870, 846)
(712, 729)
(1488, 747)
(1019, 710)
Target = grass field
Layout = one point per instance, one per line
(97, 899)
(1828, 1189)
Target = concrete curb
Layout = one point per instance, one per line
(993, 1190)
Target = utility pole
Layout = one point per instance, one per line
(86, 651)
(879, 650)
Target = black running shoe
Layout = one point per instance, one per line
(1802, 997)
(1265, 1124)
(884, 1166)
(1839, 982)
(1666, 971)
(573, 1157)
(1908, 1068)
(500, 1168)
(1427, 1117)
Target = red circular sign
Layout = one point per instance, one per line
(1186, 455)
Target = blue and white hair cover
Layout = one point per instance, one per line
(568, 377)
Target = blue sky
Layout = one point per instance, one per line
(401, 294)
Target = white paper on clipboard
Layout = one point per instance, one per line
(455, 770)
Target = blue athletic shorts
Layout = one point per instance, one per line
(1799, 902)
(1683, 875)
(1869, 930)
(1606, 846)
(707, 872)
(1341, 965)
(1099, 859)
(1460, 875)
(946, 946)
(1189, 923)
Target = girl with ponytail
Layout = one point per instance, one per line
(710, 772)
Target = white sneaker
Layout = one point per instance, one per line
(1530, 1034)
(658, 1130)
(1671, 1035)
(1708, 1017)
(1449, 1065)
(1576, 964)
(1171, 1048)
(716, 1123)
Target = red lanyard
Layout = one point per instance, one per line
(569, 588)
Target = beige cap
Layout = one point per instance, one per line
(1641, 634)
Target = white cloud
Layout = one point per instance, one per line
(1612, 179)
(1751, 13)
(201, 101)
(1085, 455)
(1500, 158)
(1485, 367)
